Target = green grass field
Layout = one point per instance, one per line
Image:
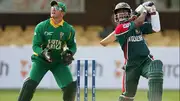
(101, 95)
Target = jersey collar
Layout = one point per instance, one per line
(56, 25)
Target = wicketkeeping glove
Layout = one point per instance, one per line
(46, 55)
(67, 57)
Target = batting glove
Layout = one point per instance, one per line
(147, 7)
(141, 9)
(150, 7)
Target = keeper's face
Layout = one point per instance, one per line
(56, 12)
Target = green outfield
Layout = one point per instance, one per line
(101, 95)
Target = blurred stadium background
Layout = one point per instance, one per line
(92, 20)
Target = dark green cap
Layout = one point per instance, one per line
(60, 4)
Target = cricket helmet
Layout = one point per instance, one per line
(122, 12)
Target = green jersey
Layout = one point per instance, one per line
(54, 37)
(131, 40)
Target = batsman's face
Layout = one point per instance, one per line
(122, 15)
(56, 12)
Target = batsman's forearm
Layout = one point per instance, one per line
(109, 39)
(140, 20)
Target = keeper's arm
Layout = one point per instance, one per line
(71, 43)
(37, 40)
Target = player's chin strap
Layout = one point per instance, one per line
(155, 22)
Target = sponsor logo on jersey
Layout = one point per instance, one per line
(54, 44)
(137, 31)
(126, 25)
(47, 33)
(135, 38)
(61, 34)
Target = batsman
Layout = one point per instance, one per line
(138, 61)
(54, 46)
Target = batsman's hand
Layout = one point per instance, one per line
(148, 3)
(67, 57)
(147, 7)
(150, 7)
(46, 55)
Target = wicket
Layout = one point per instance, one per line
(86, 79)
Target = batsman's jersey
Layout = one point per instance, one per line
(53, 37)
(132, 41)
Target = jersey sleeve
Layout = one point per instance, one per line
(122, 29)
(146, 28)
(71, 42)
(37, 39)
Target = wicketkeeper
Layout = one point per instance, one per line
(50, 39)
(128, 32)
